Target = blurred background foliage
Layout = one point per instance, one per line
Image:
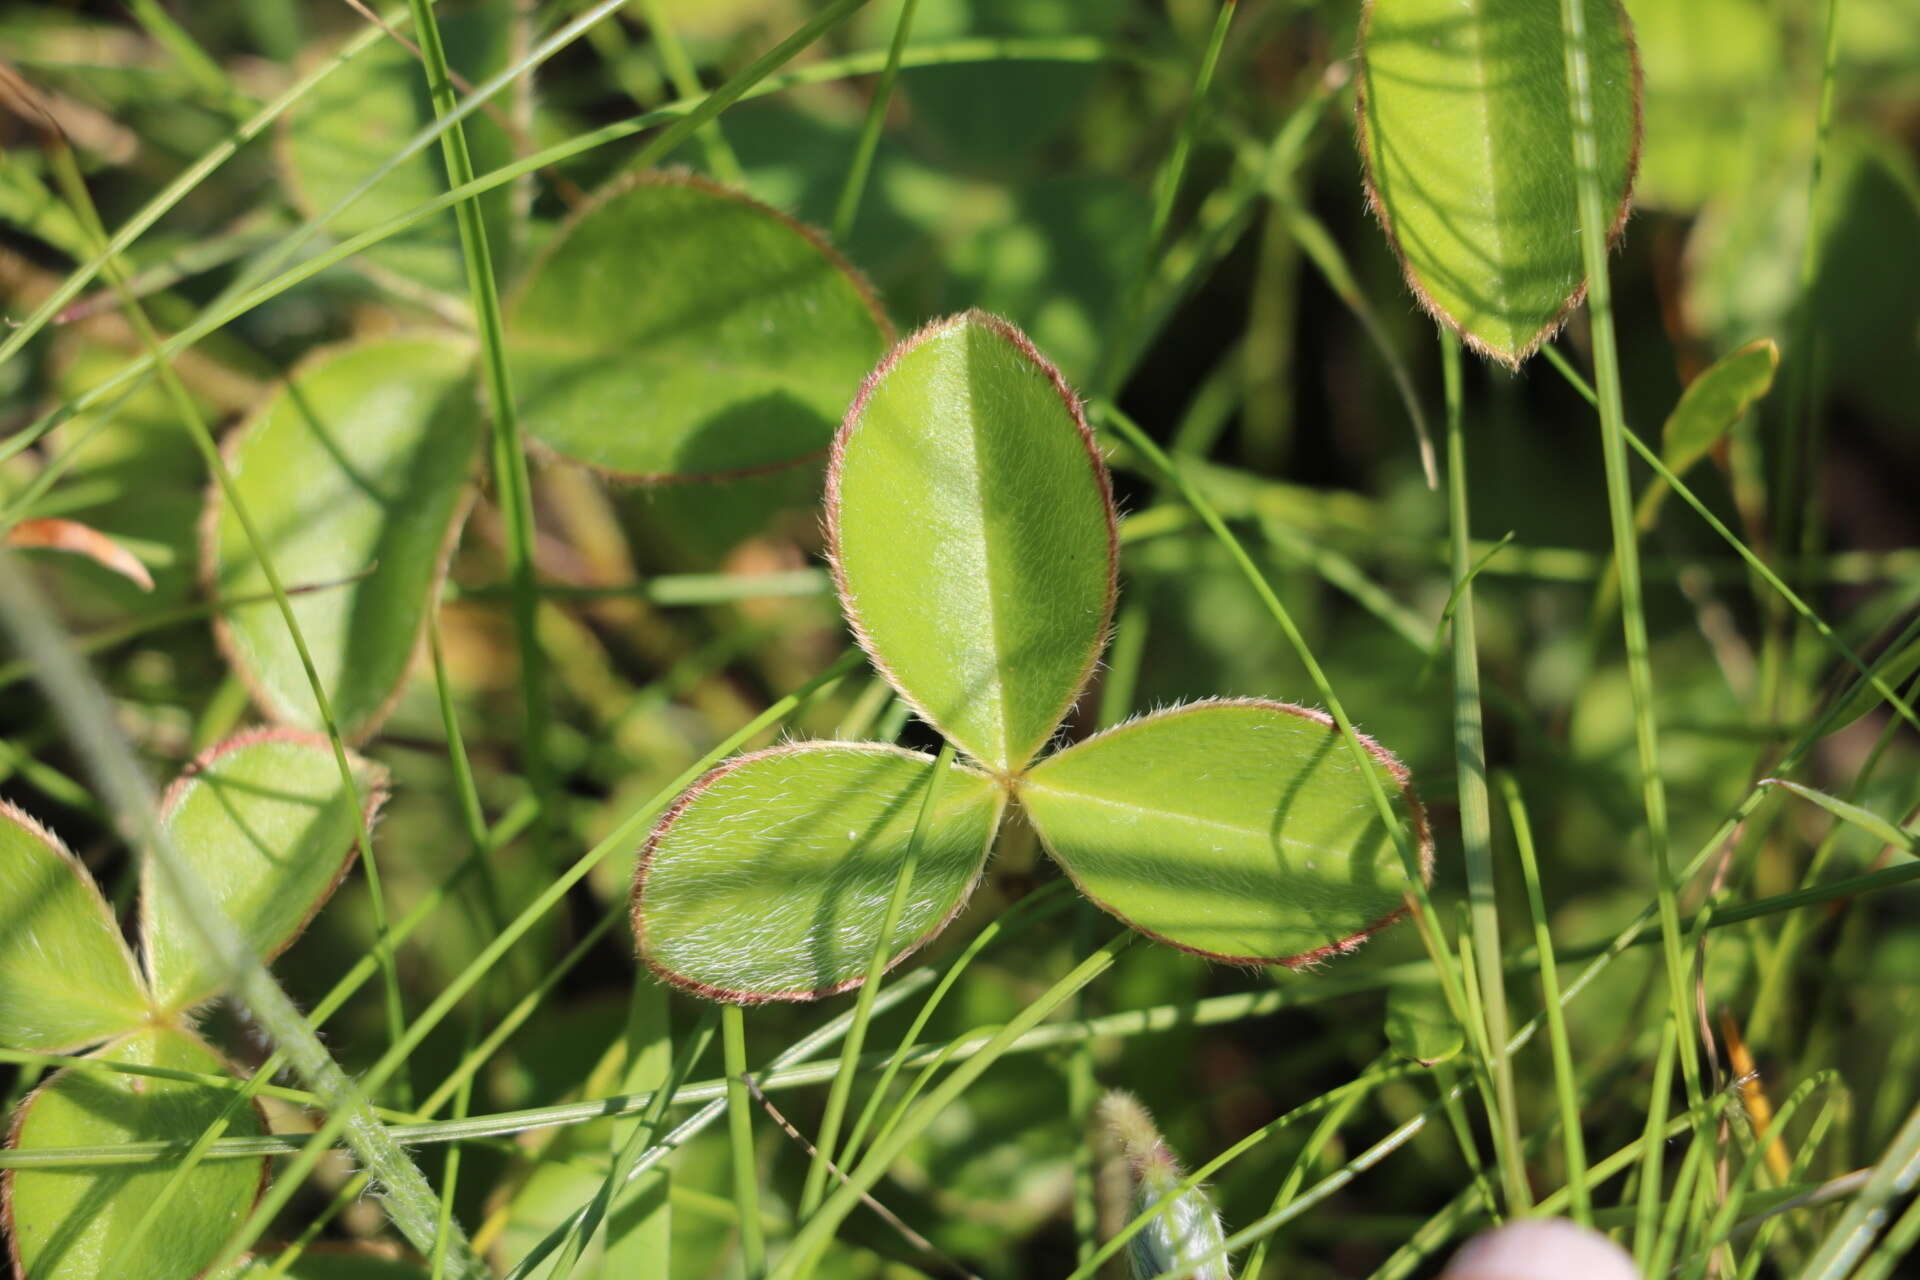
(1024, 186)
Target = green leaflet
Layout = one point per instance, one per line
(264, 821)
(1237, 829)
(353, 122)
(1714, 401)
(1467, 146)
(678, 330)
(68, 1223)
(1420, 1027)
(357, 474)
(972, 532)
(1709, 407)
(66, 976)
(769, 878)
(973, 535)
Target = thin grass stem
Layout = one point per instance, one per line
(746, 1167)
(1108, 371)
(686, 81)
(1476, 814)
(1594, 232)
(846, 210)
(836, 1109)
(812, 1239)
(512, 485)
(1565, 1084)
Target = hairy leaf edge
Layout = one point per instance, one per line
(374, 791)
(1010, 332)
(682, 177)
(263, 698)
(1416, 817)
(136, 973)
(1511, 359)
(685, 800)
(25, 1106)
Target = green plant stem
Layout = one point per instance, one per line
(846, 210)
(1564, 1080)
(1046, 901)
(630, 1150)
(1720, 1228)
(511, 482)
(681, 118)
(1312, 237)
(1594, 230)
(1777, 968)
(1446, 1076)
(1762, 1227)
(450, 1177)
(746, 1168)
(75, 190)
(1759, 567)
(1646, 1234)
(1212, 1011)
(1396, 827)
(686, 81)
(1083, 1090)
(883, 947)
(1310, 1152)
(1686, 1188)
(1108, 370)
(1476, 816)
(812, 1239)
(1794, 464)
(200, 68)
(1896, 1246)
(798, 1051)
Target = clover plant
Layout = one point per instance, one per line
(973, 540)
(264, 820)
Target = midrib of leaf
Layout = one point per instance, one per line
(1490, 159)
(991, 573)
(1170, 815)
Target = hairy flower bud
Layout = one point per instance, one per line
(1187, 1232)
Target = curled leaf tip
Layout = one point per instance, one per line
(74, 538)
